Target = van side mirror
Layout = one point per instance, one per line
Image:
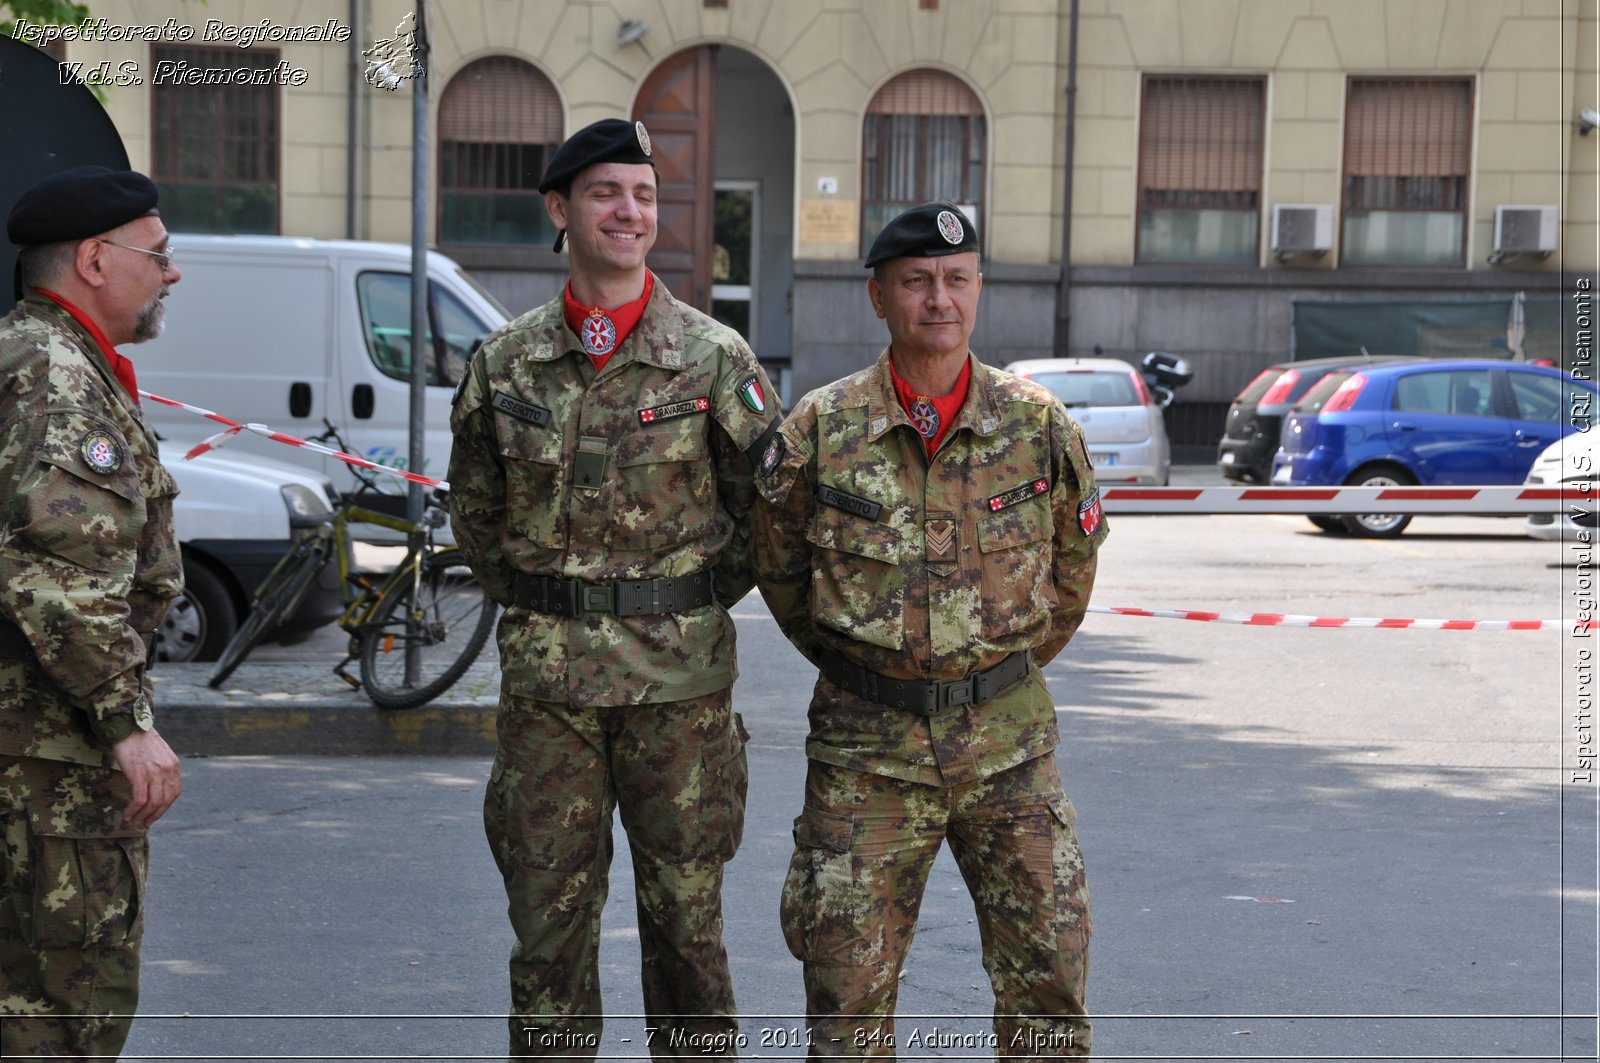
(1163, 395)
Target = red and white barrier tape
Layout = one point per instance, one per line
(1502, 500)
(234, 428)
(1292, 620)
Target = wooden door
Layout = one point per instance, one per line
(677, 105)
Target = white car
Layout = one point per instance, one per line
(236, 515)
(1573, 459)
(1120, 414)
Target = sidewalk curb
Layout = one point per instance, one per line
(290, 708)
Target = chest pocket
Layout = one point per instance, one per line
(664, 489)
(1017, 548)
(857, 584)
(535, 480)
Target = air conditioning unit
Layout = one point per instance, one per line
(1520, 230)
(1300, 227)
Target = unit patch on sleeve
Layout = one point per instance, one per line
(1089, 513)
(1038, 487)
(750, 392)
(861, 507)
(674, 409)
(522, 411)
(101, 451)
(774, 455)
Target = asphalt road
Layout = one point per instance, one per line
(1301, 843)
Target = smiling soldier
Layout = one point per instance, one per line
(602, 478)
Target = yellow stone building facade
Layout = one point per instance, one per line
(1393, 130)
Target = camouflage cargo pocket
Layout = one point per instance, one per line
(535, 483)
(827, 911)
(87, 892)
(664, 492)
(727, 783)
(1018, 585)
(857, 586)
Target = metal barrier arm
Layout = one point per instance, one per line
(1501, 500)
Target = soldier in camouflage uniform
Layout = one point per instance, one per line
(602, 476)
(926, 535)
(88, 563)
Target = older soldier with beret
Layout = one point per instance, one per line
(602, 477)
(88, 563)
(926, 536)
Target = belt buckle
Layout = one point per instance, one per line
(593, 599)
(958, 692)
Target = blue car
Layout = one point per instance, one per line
(1460, 421)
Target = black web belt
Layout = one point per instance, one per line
(626, 597)
(927, 696)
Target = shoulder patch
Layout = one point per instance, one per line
(773, 456)
(101, 451)
(1089, 514)
(750, 394)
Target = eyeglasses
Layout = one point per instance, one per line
(163, 257)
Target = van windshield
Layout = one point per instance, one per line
(454, 331)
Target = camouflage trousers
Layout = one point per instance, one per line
(864, 845)
(677, 772)
(71, 884)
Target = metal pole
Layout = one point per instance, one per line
(1064, 285)
(421, 353)
(421, 349)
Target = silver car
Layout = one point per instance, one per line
(1571, 460)
(1119, 412)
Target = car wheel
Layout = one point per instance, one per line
(1378, 525)
(1329, 523)
(200, 621)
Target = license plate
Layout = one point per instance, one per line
(1102, 459)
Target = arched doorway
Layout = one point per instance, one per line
(722, 127)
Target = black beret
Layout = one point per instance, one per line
(928, 231)
(78, 203)
(608, 140)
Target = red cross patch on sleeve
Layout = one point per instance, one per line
(1089, 514)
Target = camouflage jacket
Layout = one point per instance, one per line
(88, 556)
(642, 471)
(928, 570)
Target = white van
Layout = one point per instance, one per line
(235, 519)
(287, 332)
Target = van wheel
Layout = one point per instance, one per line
(1378, 525)
(200, 621)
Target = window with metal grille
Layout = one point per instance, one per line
(923, 139)
(499, 123)
(1407, 157)
(216, 146)
(1200, 159)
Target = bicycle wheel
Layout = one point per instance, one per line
(448, 621)
(280, 595)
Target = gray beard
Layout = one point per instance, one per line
(152, 318)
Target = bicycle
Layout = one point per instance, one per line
(414, 632)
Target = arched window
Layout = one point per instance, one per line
(499, 123)
(923, 139)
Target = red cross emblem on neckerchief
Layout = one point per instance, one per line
(599, 334)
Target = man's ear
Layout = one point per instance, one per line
(875, 295)
(89, 263)
(555, 204)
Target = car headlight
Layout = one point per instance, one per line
(305, 506)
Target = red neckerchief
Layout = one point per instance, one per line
(945, 406)
(120, 366)
(623, 318)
